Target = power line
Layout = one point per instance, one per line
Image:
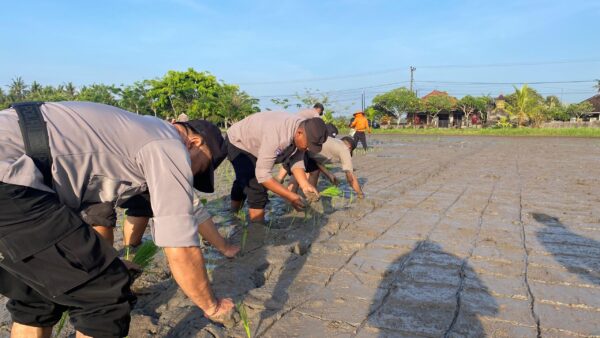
(449, 66)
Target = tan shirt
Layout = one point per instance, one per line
(334, 151)
(105, 154)
(266, 135)
(308, 113)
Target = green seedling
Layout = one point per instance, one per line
(244, 317)
(203, 201)
(127, 252)
(244, 237)
(331, 191)
(61, 323)
(145, 254)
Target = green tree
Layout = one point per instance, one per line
(307, 99)
(328, 116)
(191, 92)
(436, 104)
(3, 100)
(524, 104)
(100, 93)
(597, 85)
(134, 98)
(397, 102)
(577, 110)
(17, 91)
(234, 105)
(470, 105)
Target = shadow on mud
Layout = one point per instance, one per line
(430, 292)
(578, 254)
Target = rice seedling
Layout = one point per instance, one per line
(204, 201)
(331, 191)
(145, 254)
(244, 317)
(61, 323)
(244, 237)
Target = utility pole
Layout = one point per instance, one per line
(363, 101)
(412, 70)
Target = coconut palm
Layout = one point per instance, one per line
(521, 106)
(17, 89)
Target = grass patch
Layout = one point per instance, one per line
(525, 131)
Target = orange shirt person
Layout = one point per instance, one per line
(360, 124)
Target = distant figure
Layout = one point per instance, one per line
(360, 124)
(315, 111)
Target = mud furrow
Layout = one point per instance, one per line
(466, 261)
(534, 315)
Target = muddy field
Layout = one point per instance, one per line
(458, 237)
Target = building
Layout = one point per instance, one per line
(595, 114)
(498, 112)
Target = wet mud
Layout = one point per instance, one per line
(458, 237)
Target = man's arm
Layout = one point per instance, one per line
(187, 267)
(300, 176)
(331, 177)
(353, 181)
(280, 190)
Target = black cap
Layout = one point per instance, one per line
(352, 143)
(205, 181)
(316, 134)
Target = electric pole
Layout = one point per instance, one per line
(363, 101)
(412, 70)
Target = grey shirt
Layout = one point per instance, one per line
(334, 151)
(308, 113)
(266, 135)
(105, 154)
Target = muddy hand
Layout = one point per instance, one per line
(335, 181)
(231, 250)
(225, 313)
(297, 202)
(311, 193)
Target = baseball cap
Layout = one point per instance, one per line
(352, 143)
(205, 181)
(316, 133)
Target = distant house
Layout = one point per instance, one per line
(595, 101)
(445, 119)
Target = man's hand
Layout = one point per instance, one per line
(297, 202)
(310, 192)
(334, 180)
(224, 313)
(361, 196)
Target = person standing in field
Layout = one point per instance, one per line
(57, 157)
(361, 125)
(256, 143)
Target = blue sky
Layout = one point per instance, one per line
(274, 48)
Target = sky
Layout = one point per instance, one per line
(340, 48)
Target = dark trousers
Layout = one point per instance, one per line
(360, 136)
(246, 185)
(51, 262)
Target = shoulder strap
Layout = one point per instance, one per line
(35, 137)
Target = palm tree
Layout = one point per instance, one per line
(17, 89)
(70, 90)
(521, 106)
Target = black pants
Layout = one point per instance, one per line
(246, 185)
(360, 136)
(49, 271)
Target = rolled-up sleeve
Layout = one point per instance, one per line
(167, 170)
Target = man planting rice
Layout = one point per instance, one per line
(257, 143)
(334, 151)
(56, 158)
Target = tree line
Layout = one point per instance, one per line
(525, 106)
(197, 94)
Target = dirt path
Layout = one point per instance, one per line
(458, 237)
